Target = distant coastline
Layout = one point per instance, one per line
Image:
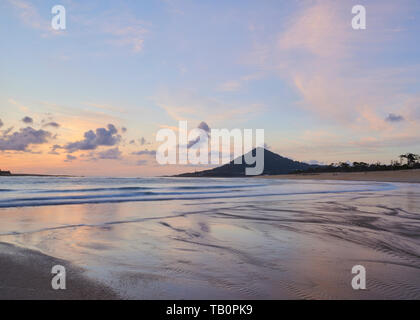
(36, 175)
(405, 176)
(400, 176)
(10, 174)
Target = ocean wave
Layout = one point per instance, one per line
(219, 187)
(92, 189)
(100, 196)
(143, 188)
(155, 196)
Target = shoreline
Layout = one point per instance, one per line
(26, 275)
(37, 175)
(404, 176)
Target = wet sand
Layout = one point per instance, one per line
(241, 239)
(410, 176)
(26, 275)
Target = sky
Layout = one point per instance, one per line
(90, 99)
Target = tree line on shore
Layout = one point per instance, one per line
(407, 161)
(5, 173)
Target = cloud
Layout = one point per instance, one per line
(113, 153)
(143, 141)
(145, 152)
(30, 16)
(314, 52)
(186, 105)
(70, 158)
(52, 124)
(191, 143)
(174, 7)
(337, 77)
(28, 120)
(122, 30)
(127, 35)
(21, 107)
(394, 118)
(230, 86)
(74, 119)
(236, 85)
(331, 66)
(141, 162)
(106, 107)
(203, 126)
(320, 29)
(28, 13)
(7, 131)
(92, 140)
(20, 140)
(54, 149)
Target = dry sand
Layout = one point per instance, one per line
(26, 275)
(411, 176)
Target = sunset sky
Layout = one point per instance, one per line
(90, 99)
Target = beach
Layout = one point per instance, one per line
(178, 150)
(410, 176)
(204, 238)
(26, 274)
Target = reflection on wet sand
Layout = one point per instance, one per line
(273, 247)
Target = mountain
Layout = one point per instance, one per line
(273, 164)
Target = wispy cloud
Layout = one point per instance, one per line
(110, 154)
(187, 105)
(106, 107)
(230, 86)
(21, 107)
(330, 65)
(121, 29)
(30, 16)
(132, 36)
(236, 85)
